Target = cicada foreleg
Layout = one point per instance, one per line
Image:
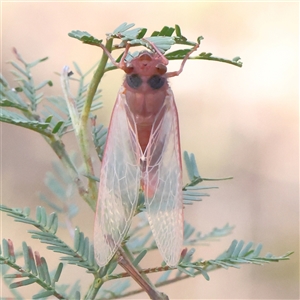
(122, 64)
(176, 73)
(165, 60)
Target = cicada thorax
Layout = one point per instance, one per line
(145, 92)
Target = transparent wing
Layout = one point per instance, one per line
(119, 185)
(163, 183)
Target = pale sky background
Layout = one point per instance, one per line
(240, 122)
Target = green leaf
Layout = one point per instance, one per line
(231, 249)
(6, 102)
(74, 290)
(192, 193)
(12, 256)
(52, 222)
(163, 43)
(191, 165)
(99, 134)
(81, 244)
(77, 235)
(91, 257)
(22, 283)
(26, 257)
(208, 56)
(178, 30)
(26, 211)
(26, 221)
(138, 259)
(238, 249)
(21, 70)
(55, 185)
(245, 251)
(45, 271)
(188, 230)
(42, 216)
(123, 32)
(43, 294)
(58, 126)
(111, 267)
(178, 54)
(257, 251)
(42, 84)
(199, 39)
(236, 59)
(34, 63)
(33, 267)
(142, 33)
(123, 27)
(165, 31)
(84, 37)
(3, 81)
(77, 295)
(85, 253)
(5, 248)
(188, 257)
(183, 270)
(203, 272)
(164, 277)
(19, 120)
(77, 68)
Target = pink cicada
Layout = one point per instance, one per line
(142, 152)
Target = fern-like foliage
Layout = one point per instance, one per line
(34, 271)
(81, 254)
(26, 104)
(54, 118)
(99, 134)
(163, 39)
(63, 192)
(236, 255)
(139, 239)
(59, 115)
(63, 114)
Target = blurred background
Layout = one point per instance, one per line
(240, 122)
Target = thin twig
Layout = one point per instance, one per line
(126, 264)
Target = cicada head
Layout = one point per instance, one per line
(146, 64)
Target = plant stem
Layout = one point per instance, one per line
(94, 288)
(146, 271)
(83, 126)
(126, 264)
(94, 85)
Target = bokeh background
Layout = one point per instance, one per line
(240, 122)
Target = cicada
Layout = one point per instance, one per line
(142, 152)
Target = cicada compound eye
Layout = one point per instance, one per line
(134, 80)
(156, 82)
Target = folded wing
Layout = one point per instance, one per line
(119, 185)
(163, 183)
